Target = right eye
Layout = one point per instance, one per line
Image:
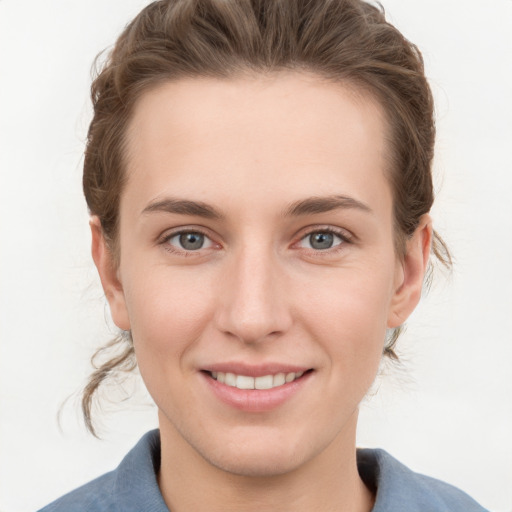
(188, 241)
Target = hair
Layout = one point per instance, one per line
(344, 41)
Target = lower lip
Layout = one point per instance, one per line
(256, 400)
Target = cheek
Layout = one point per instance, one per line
(168, 311)
(350, 317)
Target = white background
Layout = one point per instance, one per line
(448, 414)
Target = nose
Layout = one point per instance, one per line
(253, 298)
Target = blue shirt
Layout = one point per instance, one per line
(133, 487)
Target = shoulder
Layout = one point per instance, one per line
(94, 496)
(400, 489)
(131, 487)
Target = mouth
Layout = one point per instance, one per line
(246, 382)
(256, 389)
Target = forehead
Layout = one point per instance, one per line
(291, 132)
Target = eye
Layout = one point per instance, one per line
(189, 241)
(321, 240)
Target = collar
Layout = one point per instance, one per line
(397, 487)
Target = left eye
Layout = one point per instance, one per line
(190, 241)
(321, 240)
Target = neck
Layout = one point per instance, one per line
(328, 482)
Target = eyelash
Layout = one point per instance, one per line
(164, 241)
(343, 235)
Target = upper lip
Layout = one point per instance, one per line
(250, 370)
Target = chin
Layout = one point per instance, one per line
(257, 455)
(257, 464)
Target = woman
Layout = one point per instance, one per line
(259, 181)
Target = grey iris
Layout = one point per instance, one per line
(321, 240)
(191, 241)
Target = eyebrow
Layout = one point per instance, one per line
(308, 206)
(183, 207)
(314, 205)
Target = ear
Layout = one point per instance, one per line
(107, 269)
(410, 273)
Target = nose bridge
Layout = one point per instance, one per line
(254, 306)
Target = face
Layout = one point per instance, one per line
(256, 251)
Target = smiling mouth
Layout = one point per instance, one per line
(263, 382)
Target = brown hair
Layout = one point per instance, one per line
(344, 41)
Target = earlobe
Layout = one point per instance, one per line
(411, 274)
(104, 261)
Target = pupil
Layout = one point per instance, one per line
(321, 240)
(191, 241)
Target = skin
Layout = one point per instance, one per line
(255, 150)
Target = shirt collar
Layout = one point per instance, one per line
(136, 486)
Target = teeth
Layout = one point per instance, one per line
(243, 382)
(264, 382)
(279, 379)
(230, 379)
